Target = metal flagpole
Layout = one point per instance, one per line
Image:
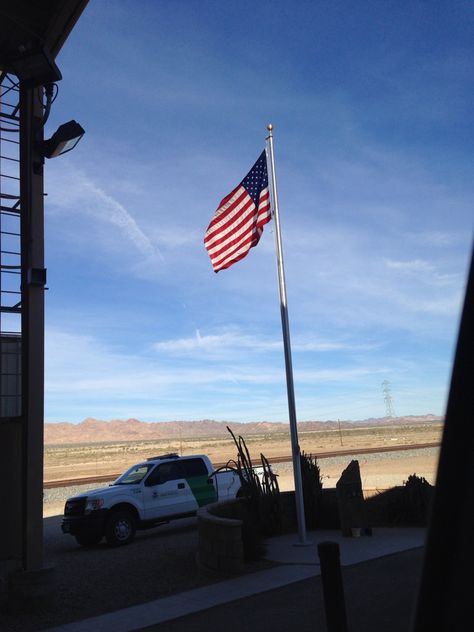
(295, 448)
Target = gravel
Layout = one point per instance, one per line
(57, 494)
(343, 461)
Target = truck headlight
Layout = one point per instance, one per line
(93, 504)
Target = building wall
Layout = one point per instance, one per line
(10, 376)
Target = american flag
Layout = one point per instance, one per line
(240, 217)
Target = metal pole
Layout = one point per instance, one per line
(333, 588)
(32, 325)
(295, 448)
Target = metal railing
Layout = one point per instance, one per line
(10, 248)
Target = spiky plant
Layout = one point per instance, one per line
(261, 498)
(312, 488)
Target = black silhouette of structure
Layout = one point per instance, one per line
(31, 35)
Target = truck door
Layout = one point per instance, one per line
(201, 487)
(165, 491)
(177, 487)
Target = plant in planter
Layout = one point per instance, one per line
(312, 489)
(260, 496)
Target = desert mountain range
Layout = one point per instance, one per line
(95, 430)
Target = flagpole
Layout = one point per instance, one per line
(295, 448)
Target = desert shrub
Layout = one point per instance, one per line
(418, 495)
(406, 505)
(312, 489)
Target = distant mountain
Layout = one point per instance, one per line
(95, 430)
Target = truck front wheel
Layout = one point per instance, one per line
(88, 540)
(120, 528)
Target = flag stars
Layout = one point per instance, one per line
(257, 178)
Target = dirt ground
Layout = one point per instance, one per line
(82, 460)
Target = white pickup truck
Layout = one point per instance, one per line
(150, 493)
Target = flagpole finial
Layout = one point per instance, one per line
(270, 128)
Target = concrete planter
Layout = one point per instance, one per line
(221, 547)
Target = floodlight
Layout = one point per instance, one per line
(63, 140)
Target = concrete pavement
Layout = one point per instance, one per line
(295, 564)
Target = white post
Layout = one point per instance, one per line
(295, 448)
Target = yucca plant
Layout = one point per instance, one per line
(312, 488)
(261, 498)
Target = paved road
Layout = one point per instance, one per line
(380, 596)
(161, 562)
(56, 543)
(99, 579)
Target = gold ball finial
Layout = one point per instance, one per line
(269, 127)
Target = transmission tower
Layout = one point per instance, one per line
(387, 398)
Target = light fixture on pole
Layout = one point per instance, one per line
(63, 140)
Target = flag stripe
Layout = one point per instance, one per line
(250, 220)
(247, 238)
(239, 206)
(228, 224)
(231, 231)
(240, 253)
(238, 222)
(236, 244)
(225, 214)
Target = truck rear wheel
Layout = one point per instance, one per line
(120, 528)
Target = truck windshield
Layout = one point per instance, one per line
(134, 475)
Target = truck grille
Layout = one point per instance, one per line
(75, 507)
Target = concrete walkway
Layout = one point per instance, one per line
(296, 563)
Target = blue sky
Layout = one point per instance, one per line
(371, 104)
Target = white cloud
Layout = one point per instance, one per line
(233, 341)
(425, 273)
(416, 265)
(211, 343)
(76, 193)
(110, 210)
(83, 375)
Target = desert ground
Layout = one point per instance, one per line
(378, 471)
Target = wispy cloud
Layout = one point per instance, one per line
(110, 210)
(416, 265)
(75, 192)
(83, 374)
(425, 271)
(233, 341)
